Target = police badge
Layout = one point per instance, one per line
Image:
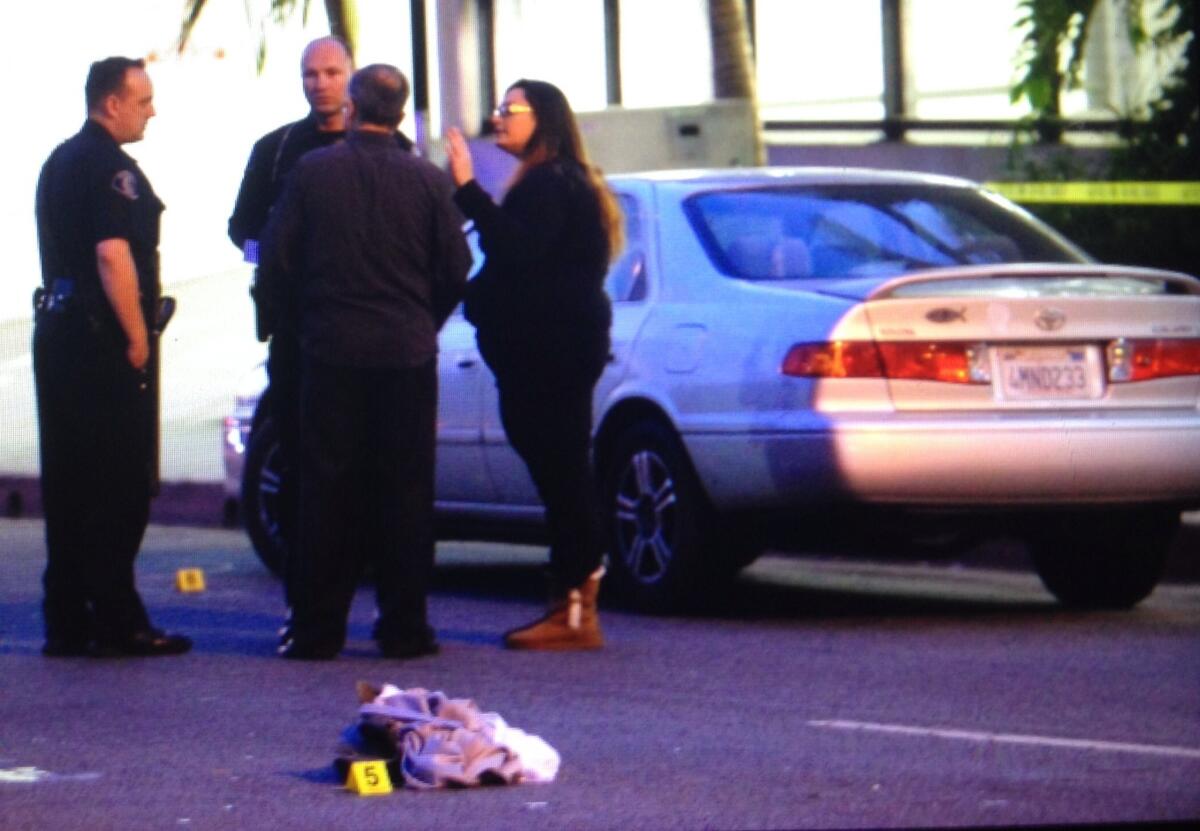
(125, 183)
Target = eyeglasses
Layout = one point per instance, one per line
(505, 110)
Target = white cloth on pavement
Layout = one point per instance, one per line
(442, 741)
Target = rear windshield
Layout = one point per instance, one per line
(825, 231)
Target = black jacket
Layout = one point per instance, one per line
(365, 253)
(541, 289)
(271, 159)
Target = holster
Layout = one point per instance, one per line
(264, 312)
(164, 310)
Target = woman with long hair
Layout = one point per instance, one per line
(542, 324)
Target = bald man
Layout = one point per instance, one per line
(325, 69)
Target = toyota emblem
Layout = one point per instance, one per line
(1050, 320)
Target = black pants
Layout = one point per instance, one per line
(367, 450)
(95, 431)
(283, 400)
(547, 415)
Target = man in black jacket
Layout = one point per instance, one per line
(365, 254)
(325, 68)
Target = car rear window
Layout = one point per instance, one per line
(858, 230)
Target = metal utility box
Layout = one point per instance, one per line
(718, 134)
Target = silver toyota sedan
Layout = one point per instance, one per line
(817, 358)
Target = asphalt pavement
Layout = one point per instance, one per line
(821, 693)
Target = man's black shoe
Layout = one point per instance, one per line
(147, 643)
(285, 631)
(301, 650)
(409, 646)
(66, 648)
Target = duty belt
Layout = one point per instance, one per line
(62, 296)
(56, 298)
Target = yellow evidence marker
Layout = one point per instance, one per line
(369, 778)
(189, 580)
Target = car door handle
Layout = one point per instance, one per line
(466, 363)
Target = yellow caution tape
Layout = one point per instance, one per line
(1100, 193)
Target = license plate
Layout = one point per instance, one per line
(1047, 373)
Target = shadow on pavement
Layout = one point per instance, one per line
(803, 587)
(799, 589)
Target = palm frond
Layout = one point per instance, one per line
(191, 13)
(342, 14)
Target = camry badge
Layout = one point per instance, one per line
(1049, 320)
(943, 314)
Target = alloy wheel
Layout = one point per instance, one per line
(645, 515)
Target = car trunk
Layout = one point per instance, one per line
(1085, 337)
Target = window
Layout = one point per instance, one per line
(819, 60)
(626, 280)
(560, 41)
(827, 231)
(666, 55)
(961, 59)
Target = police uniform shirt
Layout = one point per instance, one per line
(91, 190)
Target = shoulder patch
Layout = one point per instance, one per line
(125, 183)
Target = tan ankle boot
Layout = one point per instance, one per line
(571, 623)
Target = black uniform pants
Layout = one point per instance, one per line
(94, 421)
(367, 452)
(547, 416)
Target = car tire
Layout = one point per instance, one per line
(1104, 560)
(265, 476)
(664, 550)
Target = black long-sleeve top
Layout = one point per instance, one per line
(541, 288)
(271, 159)
(365, 254)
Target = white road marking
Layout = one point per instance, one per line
(1011, 738)
(22, 775)
(28, 775)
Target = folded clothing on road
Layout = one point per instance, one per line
(432, 741)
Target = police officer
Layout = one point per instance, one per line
(98, 224)
(325, 68)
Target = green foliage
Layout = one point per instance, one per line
(1152, 236)
(342, 15)
(1050, 27)
(1165, 146)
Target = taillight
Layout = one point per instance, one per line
(950, 362)
(956, 362)
(836, 359)
(953, 363)
(1145, 358)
